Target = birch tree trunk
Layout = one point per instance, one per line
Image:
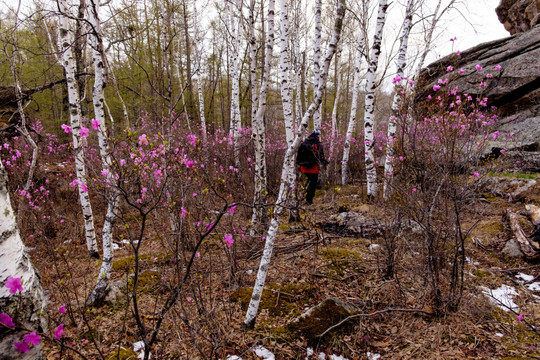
(354, 105)
(253, 61)
(333, 130)
(235, 81)
(317, 61)
(29, 305)
(288, 167)
(284, 69)
(68, 62)
(98, 97)
(259, 212)
(400, 74)
(369, 106)
(197, 54)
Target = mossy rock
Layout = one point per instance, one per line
(122, 353)
(277, 299)
(313, 323)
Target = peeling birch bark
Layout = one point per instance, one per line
(29, 305)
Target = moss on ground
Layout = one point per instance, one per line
(277, 299)
(122, 353)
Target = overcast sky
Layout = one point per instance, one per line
(482, 26)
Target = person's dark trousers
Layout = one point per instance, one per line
(311, 186)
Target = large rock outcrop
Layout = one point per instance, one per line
(514, 89)
(519, 15)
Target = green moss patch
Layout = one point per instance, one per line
(147, 282)
(122, 353)
(277, 299)
(341, 260)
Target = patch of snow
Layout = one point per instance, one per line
(525, 277)
(534, 286)
(374, 247)
(264, 353)
(499, 334)
(468, 260)
(309, 352)
(372, 356)
(233, 357)
(502, 296)
(115, 246)
(322, 356)
(138, 347)
(336, 357)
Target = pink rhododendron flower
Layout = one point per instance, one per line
(22, 347)
(498, 67)
(84, 132)
(62, 309)
(232, 209)
(143, 140)
(396, 79)
(104, 172)
(450, 68)
(436, 87)
(478, 67)
(189, 163)
(84, 188)
(95, 124)
(66, 128)
(476, 174)
(197, 254)
(32, 338)
(14, 285)
(59, 332)
(6, 320)
(228, 239)
(75, 182)
(184, 212)
(520, 317)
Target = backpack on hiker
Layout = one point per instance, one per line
(306, 155)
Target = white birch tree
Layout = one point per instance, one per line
(235, 58)
(288, 167)
(68, 62)
(98, 98)
(28, 304)
(369, 104)
(284, 70)
(356, 90)
(401, 63)
(317, 61)
(259, 212)
(197, 54)
(333, 129)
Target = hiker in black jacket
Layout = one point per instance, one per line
(310, 163)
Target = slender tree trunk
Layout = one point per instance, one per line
(259, 211)
(197, 53)
(98, 96)
(317, 61)
(369, 106)
(65, 39)
(400, 74)
(235, 83)
(333, 130)
(288, 167)
(26, 308)
(354, 105)
(253, 61)
(284, 69)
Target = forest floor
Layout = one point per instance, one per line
(312, 261)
